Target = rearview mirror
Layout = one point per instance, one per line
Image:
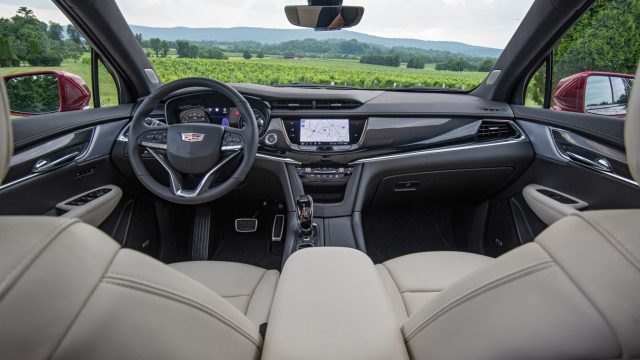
(43, 92)
(324, 15)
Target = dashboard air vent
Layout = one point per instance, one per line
(496, 130)
(292, 105)
(315, 104)
(337, 104)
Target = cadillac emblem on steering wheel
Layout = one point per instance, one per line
(192, 137)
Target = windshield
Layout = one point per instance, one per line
(443, 44)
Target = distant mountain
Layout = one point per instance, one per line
(273, 36)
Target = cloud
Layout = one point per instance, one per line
(478, 22)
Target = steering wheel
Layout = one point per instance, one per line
(198, 149)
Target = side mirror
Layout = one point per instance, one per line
(43, 92)
(324, 15)
(607, 94)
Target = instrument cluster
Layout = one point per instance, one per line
(214, 108)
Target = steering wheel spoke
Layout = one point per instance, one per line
(175, 181)
(204, 184)
(154, 138)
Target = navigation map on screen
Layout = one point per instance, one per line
(329, 131)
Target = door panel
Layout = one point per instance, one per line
(29, 130)
(60, 156)
(554, 136)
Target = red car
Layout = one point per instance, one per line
(60, 91)
(599, 93)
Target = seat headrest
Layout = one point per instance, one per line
(6, 136)
(632, 130)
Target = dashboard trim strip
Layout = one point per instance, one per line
(520, 139)
(279, 159)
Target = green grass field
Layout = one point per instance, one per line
(278, 71)
(108, 91)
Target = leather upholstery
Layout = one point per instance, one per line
(67, 291)
(413, 280)
(250, 289)
(632, 130)
(6, 137)
(573, 294)
(330, 304)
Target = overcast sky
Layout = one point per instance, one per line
(478, 22)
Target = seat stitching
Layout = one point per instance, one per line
(523, 272)
(84, 303)
(254, 291)
(7, 282)
(611, 239)
(117, 274)
(584, 294)
(185, 300)
(120, 276)
(404, 306)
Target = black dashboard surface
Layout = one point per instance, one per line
(380, 123)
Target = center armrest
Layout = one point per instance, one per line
(331, 304)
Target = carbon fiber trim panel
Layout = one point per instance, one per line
(395, 132)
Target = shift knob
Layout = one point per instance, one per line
(304, 210)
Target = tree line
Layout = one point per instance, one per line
(604, 39)
(366, 53)
(24, 38)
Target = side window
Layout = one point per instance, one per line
(47, 65)
(594, 63)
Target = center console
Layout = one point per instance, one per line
(331, 304)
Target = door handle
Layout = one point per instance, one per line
(44, 164)
(598, 163)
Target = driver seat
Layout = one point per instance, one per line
(67, 290)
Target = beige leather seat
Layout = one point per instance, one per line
(412, 280)
(68, 291)
(250, 289)
(574, 293)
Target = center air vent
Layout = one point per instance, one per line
(496, 130)
(337, 105)
(315, 104)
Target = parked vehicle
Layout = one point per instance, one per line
(592, 92)
(46, 91)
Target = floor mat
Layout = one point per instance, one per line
(252, 250)
(391, 233)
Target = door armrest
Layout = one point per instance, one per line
(93, 206)
(551, 205)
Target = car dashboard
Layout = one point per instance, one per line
(343, 145)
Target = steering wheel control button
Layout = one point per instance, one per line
(155, 139)
(271, 139)
(232, 142)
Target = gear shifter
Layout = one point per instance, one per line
(304, 210)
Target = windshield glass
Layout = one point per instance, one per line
(444, 44)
